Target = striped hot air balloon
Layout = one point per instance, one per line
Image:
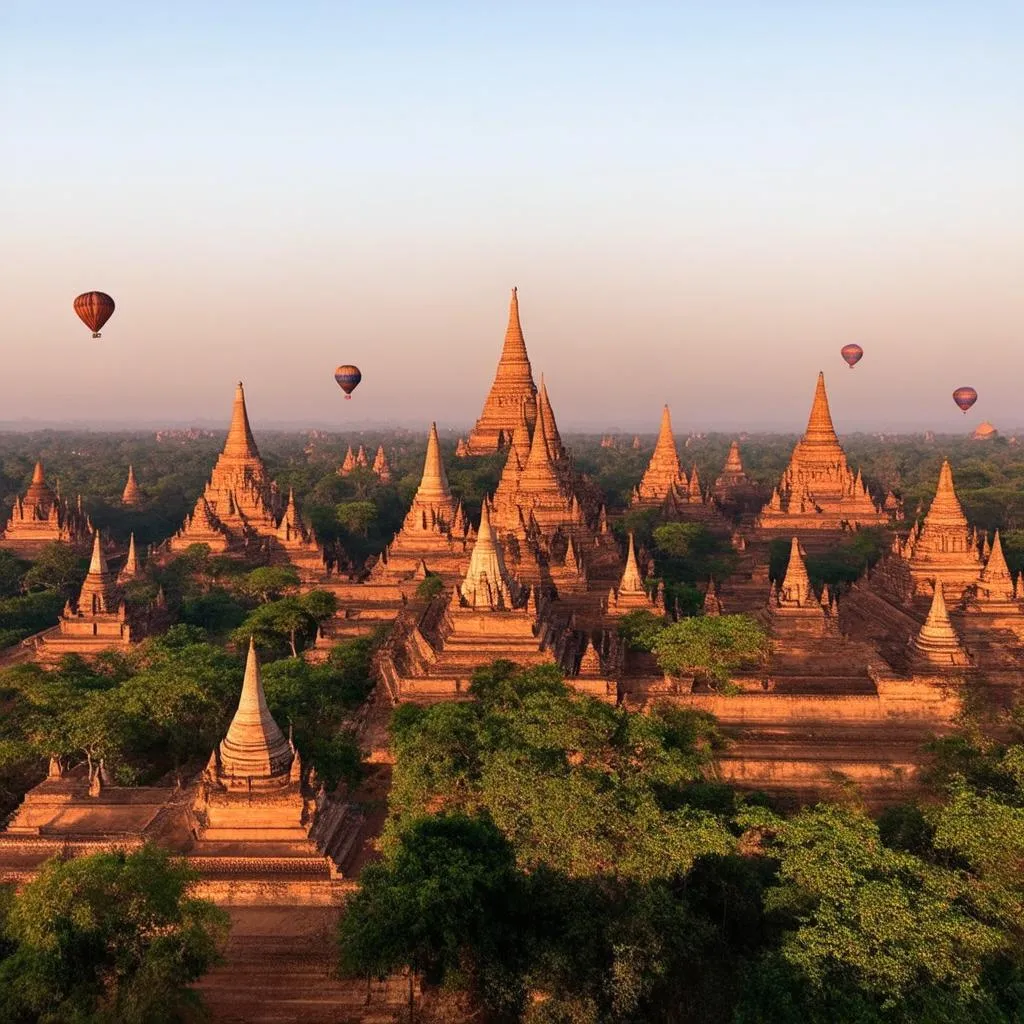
(965, 398)
(94, 309)
(348, 378)
(852, 354)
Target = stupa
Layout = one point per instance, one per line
(734, 489)
(818, 490)
(426, 537)
(348, 463)
(381, 466)
(95, 622)
(663, 475)
(42, 517)
(239, 498)
(936, 644)
(513, 386)
(297, 542)
(487, 616)
(131, 495)
(361, 460)
(201, 527)
(131, 570)
(793, 608)
(631, 595)
(254, 793)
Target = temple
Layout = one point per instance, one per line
(238, 503)
(631, 594)
(96, 621)
(41, 517)
(131, 495)
(818, 490)
(734, 491)
(381, 466)
(513, 389)
(663, 475)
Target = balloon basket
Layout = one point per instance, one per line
(348, 398)
(97, 335)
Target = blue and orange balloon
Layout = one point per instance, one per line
(348, 378)
(965, 398)
(853, 354)
(94, 309)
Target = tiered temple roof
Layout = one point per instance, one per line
(348, 463)
(734, 488)
(487, 583)
(42, 516)
(513, 386)
(631, 594)
(936, 644)
(663, 475)
(239, 500)
(131, 569)
(793, 608)
(818, 490)
(131, 495)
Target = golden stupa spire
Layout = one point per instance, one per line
(130, 569)
(130, 495)
(514, 364)
(240, 443)
(539, 472)
(796, 587)
(937, 641)
(631, 582)
(254, 746)
(550, 426)
(487, 583)
(996, 572)
(819, 425)
(97, 594)
(733, 462)
(37, 473)
(433, 500)
(945, 509)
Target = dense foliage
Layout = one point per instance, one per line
(109, 938)
(560, 860)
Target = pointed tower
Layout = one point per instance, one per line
(996, 591)
(545, 411)
(433, 504)
(131, 495)
(712, 602)
(513, 384)
(202, 527)
(734, 487)
(631, 595)
(361, 460)
(41, 517)
(348, 463)
(381, 466)
(944, 549)
(936, 644)
(818, 490)
(663, 471)
(487, 583)
(239, 494)
(131, 569)
(254, 747)
(99, 590)
(793, 609)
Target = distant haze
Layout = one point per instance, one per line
(699, 202)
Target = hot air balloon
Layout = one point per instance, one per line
(94, 309)
(852, 354)
(965, 398)
(348, 378)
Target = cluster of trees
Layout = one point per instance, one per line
(32, 593)
(558, 860)
(109, 938)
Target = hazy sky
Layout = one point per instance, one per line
(700, 203)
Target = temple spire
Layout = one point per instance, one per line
(97, 593)
(514, 364)
(240, 443)
(819, 425)
(37, 474)
(796, 587)
(131, 495)
(631, 582)
(945, 509)
(254, 746)
(130, 569)
(433, 488)
(539, 472)
(98, 564)
(936, 641)
(550, 426)
(487, 582)
(733, 462)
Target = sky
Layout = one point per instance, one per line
(700, 203)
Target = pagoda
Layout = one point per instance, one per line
(818, 490)
(631, 595)
(427, 538)
(513, 387)
(943, 549)
(381, 466)
(487, 616)
(297, 542)
(936, 644)
(131, 570)
(131, 495)
(239, 500)
(734, 488)
(201, 527)
(254, 793)
(793, 608)
(42, 517)
(348, 463)
(361, 460)
(663, 477)
(96, 621)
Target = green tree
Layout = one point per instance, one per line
(356, 516)
(112, 937)
(11, 571)
(447, 902)
(269, 582)
(57, 567)
(280, 623)
(640, 629)
(713, 647)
